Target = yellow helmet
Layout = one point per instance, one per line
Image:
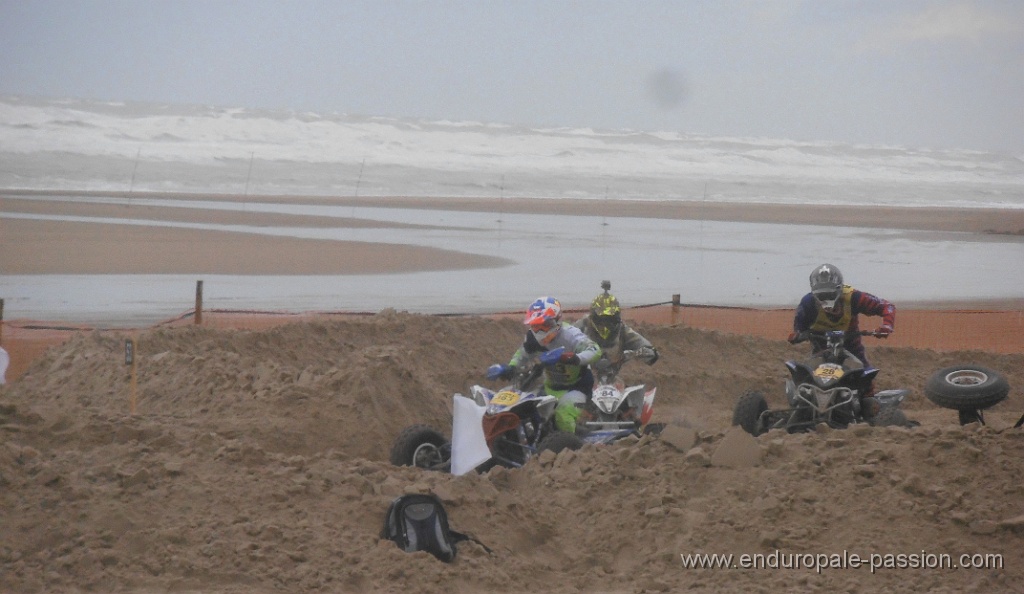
(605, 313)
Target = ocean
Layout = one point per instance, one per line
(124, 151)
(123, 148)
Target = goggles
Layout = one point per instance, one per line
(544, 331)
(540, 324)
(825, 296)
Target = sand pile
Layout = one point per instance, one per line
(257, 462)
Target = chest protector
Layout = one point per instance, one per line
(825, 322)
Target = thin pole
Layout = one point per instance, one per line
(131, 185)
(252, 156)
(199, 303)
(359, 182)
(135, 381)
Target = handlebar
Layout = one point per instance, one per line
(807, 334)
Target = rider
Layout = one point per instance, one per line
(604, 326)
(566, 353)
(831, 305)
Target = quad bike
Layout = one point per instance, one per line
(967, 389)
(826, 388)
(518, 424)
(617, 411)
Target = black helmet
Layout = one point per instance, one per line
(827, 286)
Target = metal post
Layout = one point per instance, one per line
(131, 360)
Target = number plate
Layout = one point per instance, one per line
(829, 371)
(505, 398)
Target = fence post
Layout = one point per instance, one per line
(131, 359)
(675, 308)
(199, 303)
(1, 321)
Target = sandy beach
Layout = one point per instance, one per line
(53, 247)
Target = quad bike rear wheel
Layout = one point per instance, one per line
(560, 440)
(421, 446)
(653, 429)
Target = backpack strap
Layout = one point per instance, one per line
(461, 536)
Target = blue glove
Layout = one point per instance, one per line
(499, 371)
(552, 357)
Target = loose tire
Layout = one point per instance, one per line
(560, 440)
(966, 387)
(747, 413)
(421, 446)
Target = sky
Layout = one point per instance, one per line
(930, 74)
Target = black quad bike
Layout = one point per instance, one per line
(826, 388)
(967, 389)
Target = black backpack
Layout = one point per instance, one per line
(418, 522)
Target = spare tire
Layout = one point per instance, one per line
(966, 387)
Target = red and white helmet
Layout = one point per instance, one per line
(544, 317)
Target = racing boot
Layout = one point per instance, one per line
(869, 408)
(869, 405)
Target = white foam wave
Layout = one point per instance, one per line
(76, 144)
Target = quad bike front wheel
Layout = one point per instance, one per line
(747, 413)
(891, 416)
(423, 447)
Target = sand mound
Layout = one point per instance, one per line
(257, 462)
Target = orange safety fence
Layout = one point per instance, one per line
(998, 331)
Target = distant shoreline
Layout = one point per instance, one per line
(41, 247)
(999, 221)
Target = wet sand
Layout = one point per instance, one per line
(57, 247)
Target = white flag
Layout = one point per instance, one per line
(469, 446)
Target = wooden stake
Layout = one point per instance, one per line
(199, 303)
(132, 361)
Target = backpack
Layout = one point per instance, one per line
(418, 522)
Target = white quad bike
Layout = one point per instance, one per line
(518, 424)
(616, 410)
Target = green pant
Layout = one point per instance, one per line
(566, 411)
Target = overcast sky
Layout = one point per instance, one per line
(914, 73)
